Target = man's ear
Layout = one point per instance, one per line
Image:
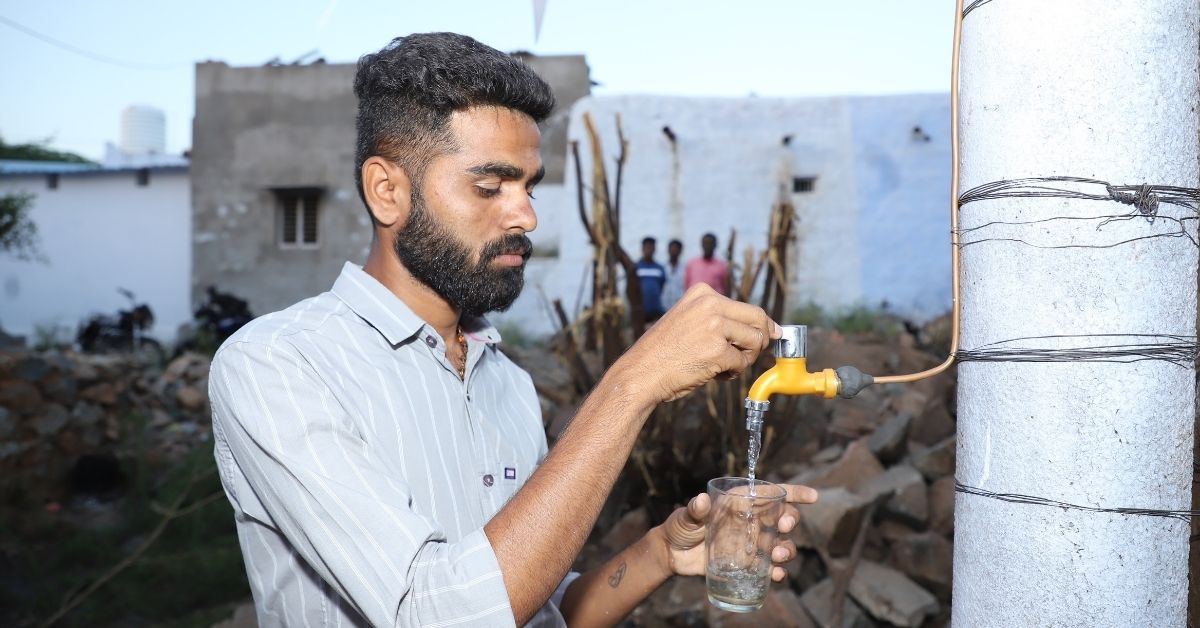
(388, 190)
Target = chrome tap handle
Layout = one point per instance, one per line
(792, 344)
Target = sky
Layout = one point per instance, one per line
(125, 52)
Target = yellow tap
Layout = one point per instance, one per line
(790, 376)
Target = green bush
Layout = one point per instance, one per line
(514, 335)
(855, 320)
(191, 574)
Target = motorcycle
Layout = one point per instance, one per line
(125, 332)
(222, 315)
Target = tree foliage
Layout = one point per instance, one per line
(38, 151)
(18, 233)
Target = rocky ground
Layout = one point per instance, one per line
(880, 538)
(877, 545)
(64, 414)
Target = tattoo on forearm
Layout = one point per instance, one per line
(614, 580)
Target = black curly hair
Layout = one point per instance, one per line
(407, 91)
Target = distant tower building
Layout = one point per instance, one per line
(143, 141)
(143, 131)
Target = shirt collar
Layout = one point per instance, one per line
(384, 311)
(478, 328)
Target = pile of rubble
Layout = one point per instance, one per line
(58, 408)
(875, 550)
(878, 544)
(883, 527)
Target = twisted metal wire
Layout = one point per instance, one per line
(1181, 515)
(1179, 350)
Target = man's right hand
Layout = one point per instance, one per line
(704, 336)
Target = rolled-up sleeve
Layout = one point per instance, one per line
(291, 457)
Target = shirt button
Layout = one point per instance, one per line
(488, 480)
(430, 341)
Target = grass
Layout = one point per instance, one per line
(514, 335)
(190, 575)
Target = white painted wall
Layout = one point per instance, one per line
(875, 228)
(100, 231)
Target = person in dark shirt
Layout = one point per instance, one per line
(652, 276)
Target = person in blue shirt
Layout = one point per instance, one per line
(652, 276)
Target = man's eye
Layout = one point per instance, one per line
(530, 195)
(487, 192)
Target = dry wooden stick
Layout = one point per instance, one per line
(173, 512)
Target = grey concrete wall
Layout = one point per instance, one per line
(257, 128)
(570, 80)
(263, 127)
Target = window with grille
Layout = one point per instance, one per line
(298, 217)
(803, 184)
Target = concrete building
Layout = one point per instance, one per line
(869, 177)
(100, 229)
(275, 209)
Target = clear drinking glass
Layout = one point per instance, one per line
(742, 530)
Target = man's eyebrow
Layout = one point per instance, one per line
(498, 169)
(506, 171)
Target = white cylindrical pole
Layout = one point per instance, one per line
(1102, 90)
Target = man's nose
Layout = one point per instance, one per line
(520, 215)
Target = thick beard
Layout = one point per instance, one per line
(438, 259)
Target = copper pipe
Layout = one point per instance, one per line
(956, 302)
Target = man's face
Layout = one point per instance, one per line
(708, 244)
(674, 250)
(647, 250)
(465, 233)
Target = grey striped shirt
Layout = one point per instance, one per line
(362, 469)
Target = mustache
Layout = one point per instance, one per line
(510, 243)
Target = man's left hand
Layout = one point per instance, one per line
(684, 530)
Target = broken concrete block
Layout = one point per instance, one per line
(856, 466)
(893, 531)
(936, 461)
(52, 418)
(191, 398)
(833, 522)
(910, 402)
(888, 441)
(683, 601)
(927, 558)
(829, 454)
(818, 602)
(908, 502)
(941, 506)
(852, 420)
(632, 526)
(890, 595)
(19, 396)
(932, 425)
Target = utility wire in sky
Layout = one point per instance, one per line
(80, 51)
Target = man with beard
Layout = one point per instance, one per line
(385, 461)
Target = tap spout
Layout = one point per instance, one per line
(790, 376)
